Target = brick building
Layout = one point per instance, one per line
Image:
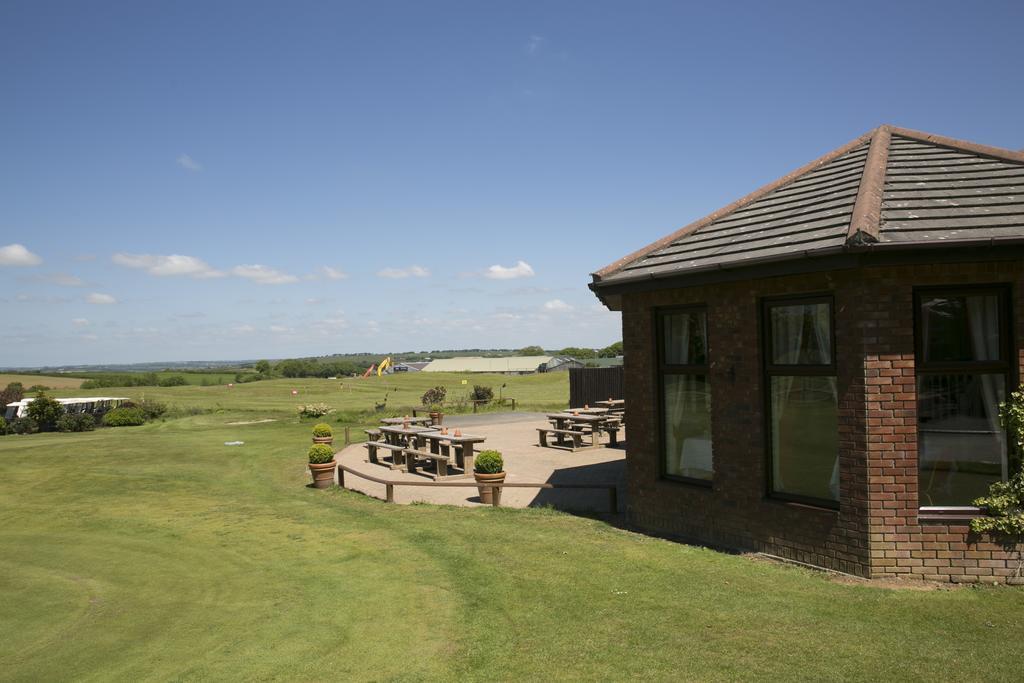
(814, 371)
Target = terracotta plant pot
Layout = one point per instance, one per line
(323, 474)
(323, 439)
(436, 418)
(488, 495)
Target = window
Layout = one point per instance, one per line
(685, 394)
(963, 370)
(803, 402)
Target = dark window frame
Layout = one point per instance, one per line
(661, 368)
(770, 369)
(1006, 366)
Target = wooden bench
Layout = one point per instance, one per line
(440, 462)
(575, 435)
(372, 446)
(372, 434)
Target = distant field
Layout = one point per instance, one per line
(400, 392)
(45, 380)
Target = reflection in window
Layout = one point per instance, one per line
(804, 402)
(961, 380)
(686, 395)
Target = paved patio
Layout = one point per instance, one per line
(515, 435)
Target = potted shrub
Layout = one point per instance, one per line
(321, 465)
(322, 433)
(432, 399)
(489, 468)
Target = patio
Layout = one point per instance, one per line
(515, 435)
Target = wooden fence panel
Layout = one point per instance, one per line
(589, 385)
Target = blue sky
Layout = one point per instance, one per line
(341, 177)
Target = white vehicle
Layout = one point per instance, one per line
(96, 405)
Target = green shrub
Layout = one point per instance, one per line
(434, 397)
(45, 411)
(1005, 507)
(79, 422)
(489, 462)
(13, 392)
(320, 453)
(4, 428)
(172, 381)
(24, 425)
(152, 409)
(315, 410)
(36, 388)
(322, 430)
(482, 393)
(125, 417)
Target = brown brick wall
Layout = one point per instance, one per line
(875, 532)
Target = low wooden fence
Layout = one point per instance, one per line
(390, 484)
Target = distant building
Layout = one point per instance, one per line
(511, 365)
(410, 367)
(561, 363)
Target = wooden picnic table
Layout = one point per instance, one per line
(422, 420)
(445, 443)
(573, 420)
(612, 404)
(408, 437)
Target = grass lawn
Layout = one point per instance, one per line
(157, 552)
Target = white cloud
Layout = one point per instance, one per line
(100, 299)
(18, 255)
(520, 269)
(61, 279)
(167, 266)
(280, 329)
(534, 44)
(188, 163)
(263, 275)
(398, 273)
(88, 337)
(243, 329)
(557, 306)
(333, 273)
(80, 322)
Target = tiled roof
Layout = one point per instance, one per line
(890, 187)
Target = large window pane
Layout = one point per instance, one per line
(685, 340)
(801, 334)
(960, 328)
(961, 447)
(687, 404)
(805, 436)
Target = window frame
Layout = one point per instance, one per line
(661, 369)
(770, 369)
(1007, 367)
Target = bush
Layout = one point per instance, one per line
(13, 392)
(315, 410)
(152, 409)
(320, 453)
(124, 417)
(322, 430)
(482, 393)
(79, 422)
(45, 411)
(489, 462)
(1005, 507)
(24, 425)
(4, 428)
(434, 397)
(36, 388)
(172, 381)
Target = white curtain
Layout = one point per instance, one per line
(983, 321)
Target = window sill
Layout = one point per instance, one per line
(687, 481)
(814, 506)
(949, 515)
